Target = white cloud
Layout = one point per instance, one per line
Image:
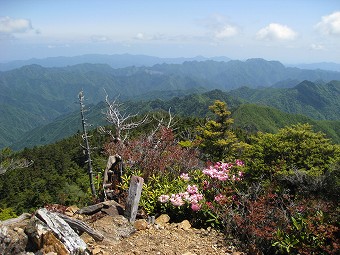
(226, 31)
(315, 46)
(140, 36)
(155, 37)
(219, 27)
(9, 25)
(330, 24)
(53, 46)
(99, 38)
(276, 31)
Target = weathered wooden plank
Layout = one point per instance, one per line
(73, 243)
(81, 227)
(135, 191)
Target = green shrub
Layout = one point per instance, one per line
(7, 213)
(196, 195)
(273, 156)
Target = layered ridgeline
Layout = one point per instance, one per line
(248, 117)
(33, 96)
(115, 61)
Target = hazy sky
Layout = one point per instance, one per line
(291, 31)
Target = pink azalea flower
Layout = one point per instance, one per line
(192, 189)
(219, 197)
(196, 207)
(206, 185)
(185, 195)
(176, 200)
(239, 162)
(163, 198)
(185, 176)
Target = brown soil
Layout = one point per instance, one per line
(167, 240)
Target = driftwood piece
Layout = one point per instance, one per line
(22, 217)
(81, 227)
(73, 243)
(135, 191)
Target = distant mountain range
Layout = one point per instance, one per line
(33, 96)
(115, 61)
(322, 65)
(126, 60)
(250, 117)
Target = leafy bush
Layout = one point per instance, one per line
(196, 195)
(309, 232)
(158, 153)
(295, 147)
(7, 213)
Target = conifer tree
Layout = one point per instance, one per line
(216, 138)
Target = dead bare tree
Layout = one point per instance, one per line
(11, 164)
(121, 122)
(161, 123)
(87, 147)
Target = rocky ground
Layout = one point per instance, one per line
(157, 236)
(161, 238)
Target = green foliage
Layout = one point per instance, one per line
(216, 139)
(307, 235)
(197, 196)
(317, 101)
(156, 186)
(250, 117)
(7, 213)
(295, 147)
(57, 175)
(253, 118)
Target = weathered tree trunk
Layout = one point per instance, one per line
(87, 148)
(73, 243)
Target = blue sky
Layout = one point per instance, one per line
(291, 31)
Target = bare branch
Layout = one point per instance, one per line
(14, 164)
(160, 123)
(119, 119)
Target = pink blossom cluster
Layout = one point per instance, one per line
(163, 198)
(185, 176)
(222, 171)
(191, 196)
(218, 198)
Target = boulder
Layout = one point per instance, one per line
(162, 220)
(185, 225)
(140, 224)
(12, 240)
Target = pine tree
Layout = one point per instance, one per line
(216, 138)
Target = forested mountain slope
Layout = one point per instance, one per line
(248, 117)
(311, 99)
(33, 96)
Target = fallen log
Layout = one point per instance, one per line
(81, 227)
(73, 243)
